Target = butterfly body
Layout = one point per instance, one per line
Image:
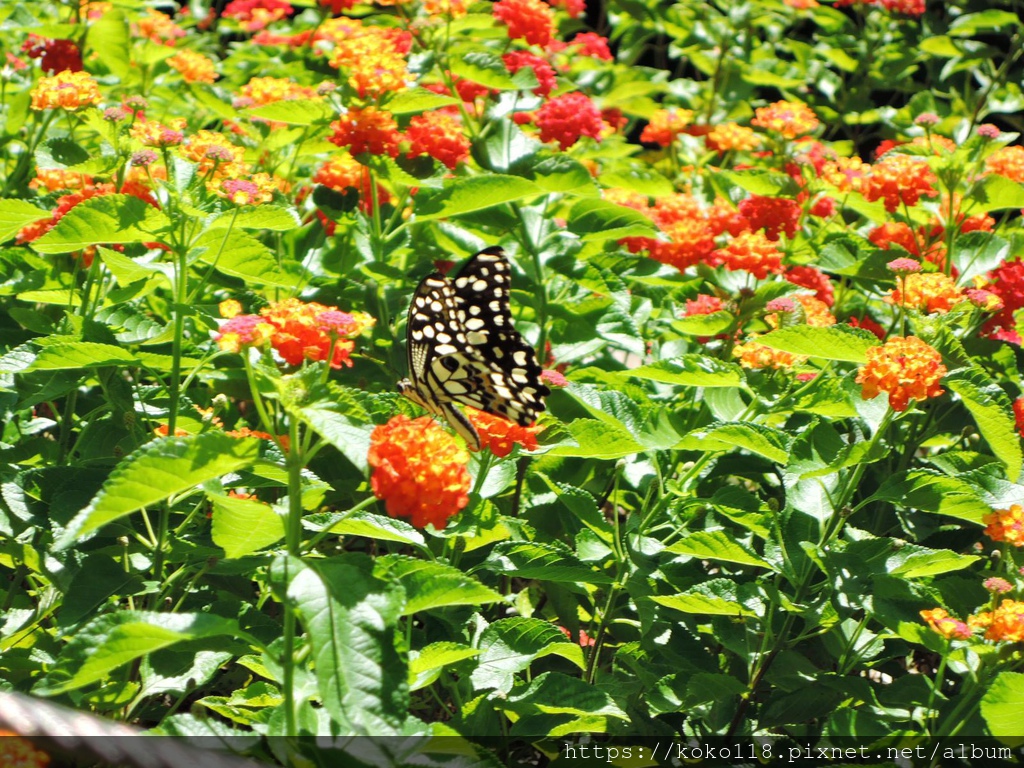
(462, 348)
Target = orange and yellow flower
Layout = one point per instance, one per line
(732, 137)
(905, 368)
(787, 118)
(500, 435)
(1008, 162)
(1004, 624)
(939, 620)
(308, 331)
(1006, 525)
(665, 125)
(193, 67)
(440, 136)
(158, 27)
(260, 91)
(153, 134)
(66, 90)
(419, 471)
(752, 251)
(899, 179)
(928, 292)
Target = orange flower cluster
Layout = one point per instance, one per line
(1006, 525)
(374, 58)
(157, 27)
(367, 130)
(440, 136)
(193, 67)
(1004, 624)
(343, 172)
(152, 134)
(922, 243)
(787, 118)
(256, 189)
(905, 368)
(753, 354)
(18, 752)
(500, 435)
(899, 179)
(270, 90)
(530, 20)
(1008, 162)
(419, 471)
(927, 291)
(845, 173)
(943, 624)
(454, 9)
(752, 251)
(296, 330)
(665, 125)
(215, 155)
(254, 15)
(54, 179)
(731, 137)
(66, 90)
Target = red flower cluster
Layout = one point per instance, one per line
(815, 279)
(751, 251)
(254, 15)
(54, 55)
(592, 44)
(899, 179)
(516, 60)
(772, 214)
(529, 20)
(500, 435)
(567, 117)
(419, 471)
(367, 130)
(1007, 282)
(440, 136)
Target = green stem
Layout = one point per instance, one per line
(293, 543)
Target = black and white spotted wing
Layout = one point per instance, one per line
(462, 348)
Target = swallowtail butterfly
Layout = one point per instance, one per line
(463, 349)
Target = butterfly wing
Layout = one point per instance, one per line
(512, 384)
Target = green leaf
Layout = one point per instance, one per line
(430, 584)
(351, 618)
(60, 152)
(716, 545)
(705, 325)
(116, 639)
(1002, 707)
(488, 69)
(367, 525)
(689, 371)
(243, 526)
(350, 438)
(977, 253)
(538, 560)
(107, 37)
(971, 24)
(992, 412)
(997, 193)
(598, 439)
(761, 182)
(716, 598)
(15, 214)
(294, 112)
(157, 471)
(553, 693)
(426, 666)
(639, 178)
(599, 220)
(243, 256)
(837, 342)
(509, 646)
(417, 100)
(272, 217)
(106, 219)
(931, 491)
(81, 354)
(756, 438)
(473, 193)
(914, 562)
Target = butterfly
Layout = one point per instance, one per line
(462, 348)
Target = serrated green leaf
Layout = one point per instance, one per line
(243, 526)
(430, 584)
(106, 219)
(347, 435)
(1002, 707)
(473, 193)
(15, 214)
(756, 438)
(992, 412)
(690, 371)
(242, 255)
(426, 666)
(509, 646)
(538, 560)
(81, 354)
(599, 220)
(598, 439)
(714, 598)
(836, 342)
(417, 100)
(270, 217)
(157, 471)
(351, 617)
(294, 112)
(716, 545)
(931, 491)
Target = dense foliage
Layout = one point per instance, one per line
(768, 252)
